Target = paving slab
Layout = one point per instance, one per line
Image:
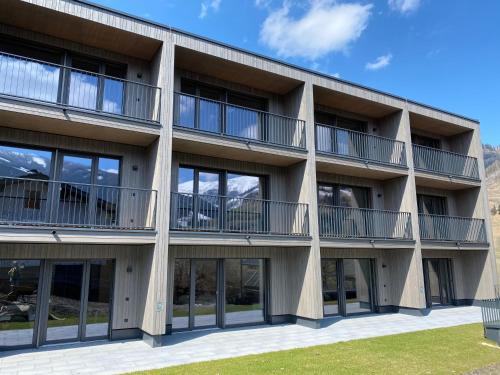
(187, 347)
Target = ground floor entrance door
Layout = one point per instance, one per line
(348, 286)
(438, 281)
(218, 293)
(45, 302)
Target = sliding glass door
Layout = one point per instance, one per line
(438, 281)
(348, 286)
(218, 293)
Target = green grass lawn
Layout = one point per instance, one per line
(453, 350)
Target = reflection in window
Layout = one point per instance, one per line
(83, 84)
(108, 175)
(244, 291)
(330, 288)
(24, 175)
(344, 196)
(28, 79)
(245, 209)
(18, 301)
(357, 283)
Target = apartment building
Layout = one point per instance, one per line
(153, 181)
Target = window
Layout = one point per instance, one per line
(431, 205)
(19, 162)
(220, 110)
(344, 195)
(215, 200)
(421, 140)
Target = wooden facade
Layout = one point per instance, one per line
(151, 154)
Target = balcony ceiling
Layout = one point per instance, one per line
(435, 126)
(60, 25)
(350, 103)
(226, 70)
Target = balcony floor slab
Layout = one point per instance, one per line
(204, 143)
(236, 239)
(366, 243)
(25, 234)
(358, 168)
(440, 181)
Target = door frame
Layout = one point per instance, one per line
(445, 280)
(341, 292)
(220, 306)
(41, 325)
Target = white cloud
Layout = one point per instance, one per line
(404, 6)
(262, 3)
(336, 75)
(325, 27)
(379, 63)
(206, 6)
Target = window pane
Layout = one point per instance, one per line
(330, 288)
(28, 79)
(244, 291)
(65, 301)
(245, 207)
(75, 191)
(24, 175)
(18, 301)
(182, 282)
(208, 201)
(244, 186)
(205, 299)
(108, 198)
(325, 195)
(113, 96)
(25, 163)
(99, 299)
(357, 283)
(351, 196)
(183, 212)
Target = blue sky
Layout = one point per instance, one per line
(443, 53)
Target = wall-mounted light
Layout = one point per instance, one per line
(129, 269)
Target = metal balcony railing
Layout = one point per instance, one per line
(194, 112)
(357, 145)
(41, 81)
(30, 202)
(215, 213)
(347, 222)
(444, 162)
(452, 228)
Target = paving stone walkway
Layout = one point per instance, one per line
(181, 348)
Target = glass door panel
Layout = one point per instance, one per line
(208, 202)
(107, 195)
(64, 305)
(245, 209)
(99, 298)
(18, 301)
(330, 287)
(75, 191)
(357, 284)
(244, 291)
(182, 292)
(205, 289)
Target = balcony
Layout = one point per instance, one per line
(58, 204)
(435, 161)
(241, 128)
(452, 228)
(62, 86)
(232, 215)
(337, 222)
(359, 150)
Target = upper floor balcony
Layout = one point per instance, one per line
(84, 90)
(36, 203)
(452, 228)
(236, 122)
(336, 222)
(441, 162)
(212, 214)
(360, 146)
